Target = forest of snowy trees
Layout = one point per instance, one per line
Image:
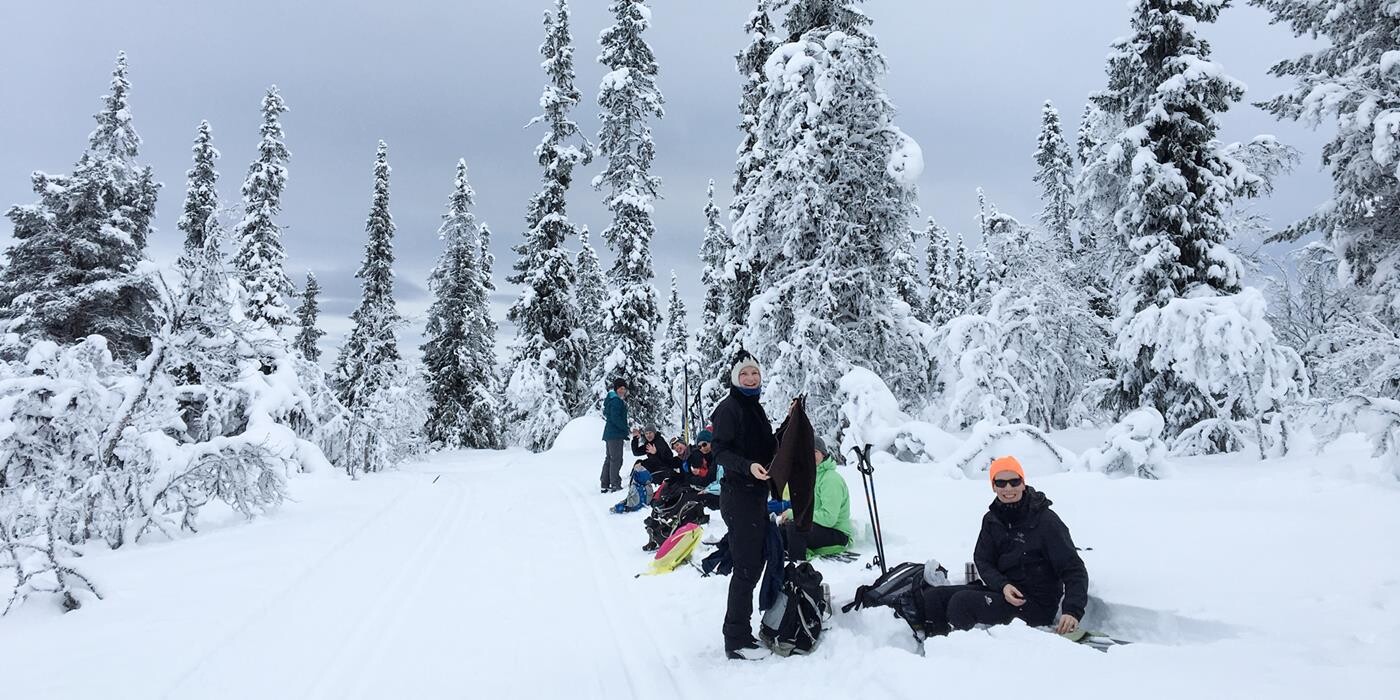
(132, 394)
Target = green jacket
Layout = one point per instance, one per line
(833, 501)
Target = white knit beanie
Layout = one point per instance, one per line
(742, 360)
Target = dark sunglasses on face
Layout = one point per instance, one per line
(1003, 483)
(704, 444)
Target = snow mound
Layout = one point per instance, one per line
(581, 434)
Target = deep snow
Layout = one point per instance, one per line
(501, 574)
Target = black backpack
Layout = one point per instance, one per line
(793, 625)
(900, 588)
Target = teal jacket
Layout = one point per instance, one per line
(615, 417)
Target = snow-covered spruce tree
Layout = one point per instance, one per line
(710, 337)
(904, 267)
(201, 210)
(967, 277)
(993, 268)
(1355, 79)
(207, 351)
(260, 256)
(629, 98)
(750, 230)
(1089, 137)
(839, 192)
(459, 353)
(308, 335)
(945, 299)
(547, 378)
(1055, 173)
(369, 370)
(678, 366)
(73, 268)
(1183, 269)
(592, 293)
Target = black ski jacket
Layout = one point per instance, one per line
(1034, 552)
(659, 462)
(742, 436)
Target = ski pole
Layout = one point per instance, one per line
(867, 482)
(875, 504)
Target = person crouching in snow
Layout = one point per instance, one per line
(654, 452)
(831, 512)
(744, 445)
(1026, 560)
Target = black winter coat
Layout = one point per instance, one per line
(1033, 552)
(742, 436)
(659, 462)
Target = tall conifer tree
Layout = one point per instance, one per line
(72, 270)
(308, 335)
(260, 257)
(548, 377)
(365, 368)
(629, 98)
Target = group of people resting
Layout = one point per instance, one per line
(1028, 566)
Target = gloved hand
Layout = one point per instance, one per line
(776, 506)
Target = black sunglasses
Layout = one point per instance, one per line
(1003, 483)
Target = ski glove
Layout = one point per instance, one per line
(776, 506)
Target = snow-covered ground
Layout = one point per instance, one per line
(501, 574)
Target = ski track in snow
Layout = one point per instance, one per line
(501, 575)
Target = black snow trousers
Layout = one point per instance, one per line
(745, 511)
(947, 608)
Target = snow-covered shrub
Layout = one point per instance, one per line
(989, 440)
(1221, 349)
(537, 413)
(975, 370)
(870, 415)
(1134, 447)
(1376, 418)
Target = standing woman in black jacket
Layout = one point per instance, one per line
(744, 445)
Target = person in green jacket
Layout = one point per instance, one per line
(831, 513)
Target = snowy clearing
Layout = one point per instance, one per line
(501, 574)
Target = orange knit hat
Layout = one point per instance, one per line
(1005, 464)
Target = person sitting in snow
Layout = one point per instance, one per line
(831, 511)
(655, 454)
(1026, 560)
(700, 463)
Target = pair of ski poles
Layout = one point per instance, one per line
(867, 481)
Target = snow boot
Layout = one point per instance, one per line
(751, 652)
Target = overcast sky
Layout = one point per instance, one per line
(453, 79)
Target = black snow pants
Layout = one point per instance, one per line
(745, 511)
(947, 608)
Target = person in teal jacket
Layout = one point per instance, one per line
(614, 434)
(831, 512)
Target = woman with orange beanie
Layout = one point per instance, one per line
(1026, 560)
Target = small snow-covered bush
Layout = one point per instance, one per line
(1028, 443)
(1376, 418)
(1134, 447)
